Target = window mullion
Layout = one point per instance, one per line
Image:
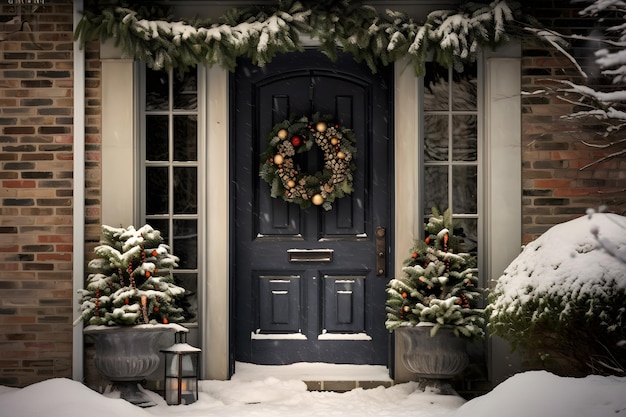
(450, 144)
(170, 144)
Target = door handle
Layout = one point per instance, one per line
(381, 251)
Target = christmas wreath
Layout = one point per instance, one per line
(298, 135)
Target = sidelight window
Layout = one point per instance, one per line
(451, 148)
(170, 170)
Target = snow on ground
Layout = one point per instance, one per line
(311, 372)
(542, 394)
(257, 391)
(255, 394)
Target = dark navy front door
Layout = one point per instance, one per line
(308, 285)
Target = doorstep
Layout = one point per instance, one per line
(318, 376)
(344, 386)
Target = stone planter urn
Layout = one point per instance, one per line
(126, 355)
(436, 360)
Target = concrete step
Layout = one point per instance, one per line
(343, 386)
(319, 376)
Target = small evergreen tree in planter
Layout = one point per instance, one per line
(132, 280)
(438, 294)
(562, 301)
(129, 302)
(440, 285)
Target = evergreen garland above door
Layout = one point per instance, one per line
(453, 37)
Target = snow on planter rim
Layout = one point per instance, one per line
(565, 261)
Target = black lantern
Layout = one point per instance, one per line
(181, 371)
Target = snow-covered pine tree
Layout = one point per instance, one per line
(439, 285)
(132, 281)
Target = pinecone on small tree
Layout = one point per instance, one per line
(439, 285)
(131, 280)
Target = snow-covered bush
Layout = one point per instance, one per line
(131, 280)
(562, 301)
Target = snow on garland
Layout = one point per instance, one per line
(298, 135)
(453, 36)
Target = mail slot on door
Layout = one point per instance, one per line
(310, 255)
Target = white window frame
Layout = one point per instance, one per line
(450, 162)
(199, 164)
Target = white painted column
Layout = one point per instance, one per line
(503, 164)
(78, 222)
(406, 180)
(216, 290)
(406, 158)
(118, 131)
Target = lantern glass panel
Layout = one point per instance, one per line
(188, 390)
(181, 374)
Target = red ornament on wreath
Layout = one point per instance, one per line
(296, 141)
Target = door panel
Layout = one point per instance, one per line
(304, 281)
(279, 304)
(344, 304)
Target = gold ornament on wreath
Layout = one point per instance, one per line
(299, 135)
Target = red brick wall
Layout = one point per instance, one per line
(36, 200)
(555, 188)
